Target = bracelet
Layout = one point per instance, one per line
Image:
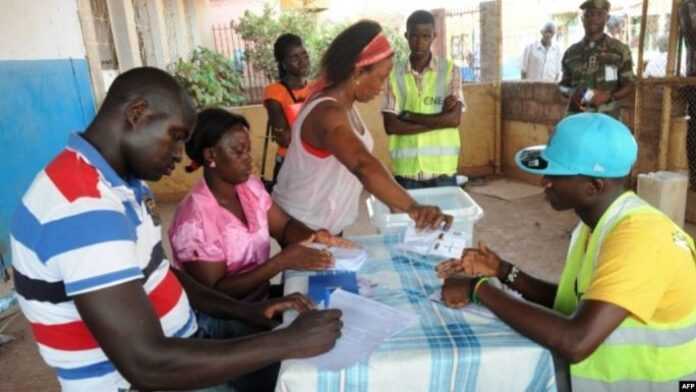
(478, 282)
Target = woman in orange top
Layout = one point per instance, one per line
(284, 98)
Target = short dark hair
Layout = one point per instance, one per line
(420, 17)
(162, 92)
(281, 47)
(339, 60)
(211, 125)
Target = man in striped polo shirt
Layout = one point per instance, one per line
(107, 312)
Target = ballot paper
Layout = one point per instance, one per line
(347, 259)
(366, 324)
(445, 244)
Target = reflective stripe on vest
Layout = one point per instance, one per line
(434, 152)
(636, 356)
(424, 151)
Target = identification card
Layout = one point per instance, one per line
(611, 73)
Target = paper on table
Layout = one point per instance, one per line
(424, 237)
(448, 244)
(366, 324)
(347, 259)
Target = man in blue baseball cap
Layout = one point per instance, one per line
(624, 312)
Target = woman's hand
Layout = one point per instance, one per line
(473, 262)
(295, 301)
(281, 136)
(429, 217)
(323, 236)
(300, 257)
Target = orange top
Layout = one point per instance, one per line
(291, 107)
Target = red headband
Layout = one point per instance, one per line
(376, 50)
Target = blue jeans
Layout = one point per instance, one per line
(261, 380)
(435, 182)
(215, 328)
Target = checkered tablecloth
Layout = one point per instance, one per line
(447, 351)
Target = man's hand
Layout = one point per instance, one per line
(456, 291)
(429, 217)
(300, 257)
(575, 100)
(404, 116)
(295, 301)
(449, 104)
(600, 97)
(315, 332)
(473, 262)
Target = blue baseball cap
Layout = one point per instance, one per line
(589, 144)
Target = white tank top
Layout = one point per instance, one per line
(319, 192)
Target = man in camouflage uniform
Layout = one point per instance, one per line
(687, 22)
(597, 71)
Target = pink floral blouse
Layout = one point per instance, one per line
(204, 231)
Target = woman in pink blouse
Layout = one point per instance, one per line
(222, 230)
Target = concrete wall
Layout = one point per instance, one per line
(46, 94)
(222, 12)
(490, 60)
(530, 110)
(477, 132)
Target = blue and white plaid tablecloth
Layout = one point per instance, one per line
(448, 350)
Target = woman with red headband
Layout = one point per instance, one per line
(330, 160)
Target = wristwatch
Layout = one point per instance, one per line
(509, 274)
(512, 275)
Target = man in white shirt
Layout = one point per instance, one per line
(541, 61)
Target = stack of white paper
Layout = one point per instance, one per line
(347, 259)
(366, 324)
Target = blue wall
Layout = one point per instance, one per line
(41, 103)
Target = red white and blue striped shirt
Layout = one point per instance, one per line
(82, 228)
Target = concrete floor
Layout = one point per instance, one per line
(525, 231)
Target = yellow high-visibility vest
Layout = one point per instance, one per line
(636, 356)
(433, 152)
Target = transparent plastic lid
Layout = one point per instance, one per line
(451, 200)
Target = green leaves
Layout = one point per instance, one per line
(214, 80)
(210, 79)
(262, 31)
